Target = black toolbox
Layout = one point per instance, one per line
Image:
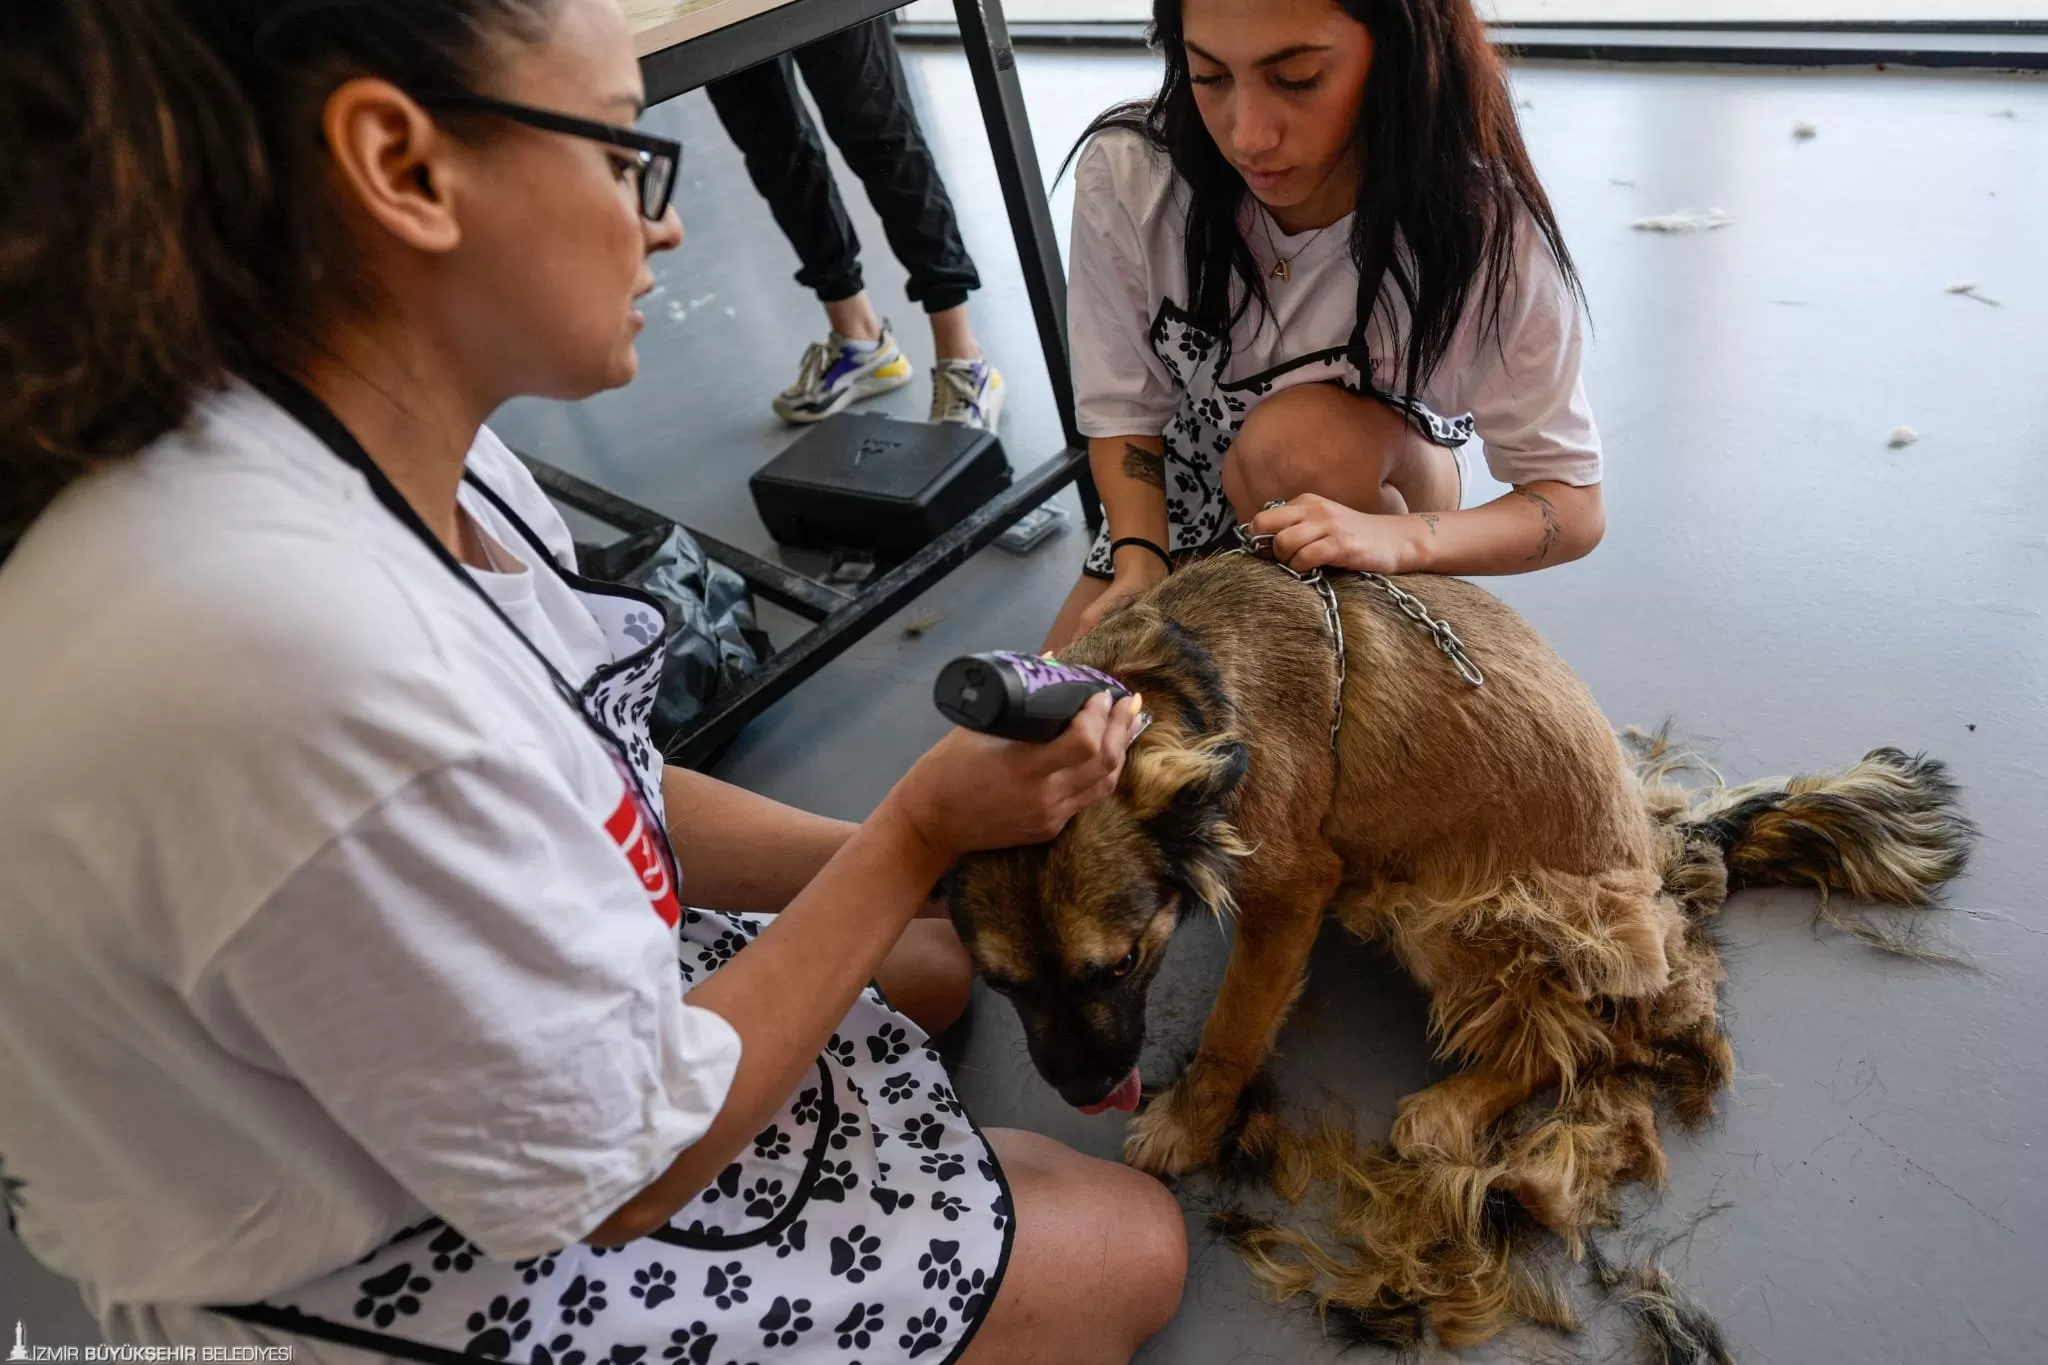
(858, 482)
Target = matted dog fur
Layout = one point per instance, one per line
(1549, 890)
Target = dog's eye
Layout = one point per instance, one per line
(1123, 968)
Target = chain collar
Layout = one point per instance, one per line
(1407, 603)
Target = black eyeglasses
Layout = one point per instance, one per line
(655, 170)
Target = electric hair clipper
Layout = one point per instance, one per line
(1020, 696)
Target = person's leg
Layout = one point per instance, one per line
(953, 335)
(765, 117)
(856, 77)
(1068, 623)
(1319, 438)
(928, 975)
(1097, 1267)
(854, 317)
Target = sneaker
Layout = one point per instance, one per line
(969, 392)
(839, 371)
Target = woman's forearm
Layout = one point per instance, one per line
(1531, 527)
(787, 991)
(1130, 476)
(742, 851)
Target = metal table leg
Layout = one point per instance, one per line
(993, 62)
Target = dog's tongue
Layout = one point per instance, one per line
(1124, 1097)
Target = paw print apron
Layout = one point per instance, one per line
(868, 1224)
(1211, 409)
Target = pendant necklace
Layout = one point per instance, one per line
(1281, 263)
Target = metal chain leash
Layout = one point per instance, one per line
(1407, 603)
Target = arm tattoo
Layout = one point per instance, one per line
(1431, 518)
(1144, 465)
(1552, 529)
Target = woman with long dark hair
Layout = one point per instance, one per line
(353, 998)
(1310, 270)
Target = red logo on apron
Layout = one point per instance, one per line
(628, 828)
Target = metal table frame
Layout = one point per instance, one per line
(839, 618)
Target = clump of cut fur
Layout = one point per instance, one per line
(1437, 1226)
(1672, 1325)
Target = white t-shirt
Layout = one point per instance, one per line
(311, 922)
(1128, 273)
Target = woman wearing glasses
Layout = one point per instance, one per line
(350, 1001)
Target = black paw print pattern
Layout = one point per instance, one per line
(858, 1329)
(394, 1293)
(970, 1295)
(694, 1344)
(806, 1109)
(946, 1102)
(946, 1204)
(721, 949)
(785, 1321)
(847, 1132)
(922, 1333)
(452, 1251)
(835, 1181)
(653, 1284)
(537, 1268)
(900, 1087)
(495, 1329)
(765, 1198)
(924, 1130)
(940, 1264)
(581, 1302)
(887, 1045)
(559, 1350)
(841, 1050)
(944, 1165)
(727, 1186)
(789, 1239)
(771, 1144)
(726, 1285)
(853, 1255)
(890, 1200)
(621, 1354)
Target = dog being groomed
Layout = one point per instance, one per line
(1550, 890)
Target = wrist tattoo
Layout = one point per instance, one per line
(1144, 465)
(1430, 519)
(1552, 528)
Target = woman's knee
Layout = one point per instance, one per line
(928, 975)
(1088, 1231)
(1311, 438)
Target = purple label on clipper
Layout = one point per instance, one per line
(1039, 672)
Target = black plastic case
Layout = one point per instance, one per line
(876, 483)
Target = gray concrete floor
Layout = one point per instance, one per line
(1775, 578)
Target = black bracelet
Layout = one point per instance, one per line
(1153, 546)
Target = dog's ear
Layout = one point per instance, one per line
(1179, 794)
(1167, 775)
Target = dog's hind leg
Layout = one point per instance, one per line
(1279, 915)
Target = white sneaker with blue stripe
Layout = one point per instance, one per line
(839, 371)
(969, 392)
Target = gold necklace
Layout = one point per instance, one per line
(1280, 263)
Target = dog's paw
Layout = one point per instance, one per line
(1170, 1138)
